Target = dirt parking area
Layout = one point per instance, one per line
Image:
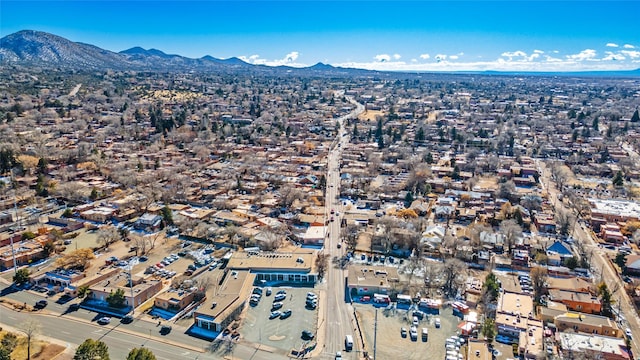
(391, 345)
(284, 334)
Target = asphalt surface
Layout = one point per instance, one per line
(338, 314)
(74, 327)
(600, 263)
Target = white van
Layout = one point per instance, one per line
(348, 343)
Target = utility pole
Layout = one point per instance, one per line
(133, 299)
(15, 209)
(375, 334)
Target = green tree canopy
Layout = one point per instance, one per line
(116, 299)
(141, 354)
(618, 179)
(21, 276)
(92, 350)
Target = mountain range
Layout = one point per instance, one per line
(37, 48)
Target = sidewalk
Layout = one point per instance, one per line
(118, 329)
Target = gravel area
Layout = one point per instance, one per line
(391, 345)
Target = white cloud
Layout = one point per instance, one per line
(396, 56)
(424, 56)
(292, 56)
(632, 54)
(521, 55)
(382, 57)
(414, 60)
(453, 57)
(612, 56)
(548, 63)
(612, 45)
(586, 54)
(513, 54)
(629, 46)
(441, 57)
(288, 60)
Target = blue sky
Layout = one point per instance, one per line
(386, 35)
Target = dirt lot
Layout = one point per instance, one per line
(40, 350)
(370, 115)
(281, 334)
(390, 345)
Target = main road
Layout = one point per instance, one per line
(338, 316)
(73, 327)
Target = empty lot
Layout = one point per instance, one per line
(280, 333)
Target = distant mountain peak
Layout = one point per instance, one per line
(137, 50)
(322, 66)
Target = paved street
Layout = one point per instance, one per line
(74, 327)
(339, 320)
(599, 263)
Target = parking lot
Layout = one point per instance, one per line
(390, 343)
(284, 334)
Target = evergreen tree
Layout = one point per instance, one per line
(141, 354)
(420, 135)
(92, 350)
(618, 179)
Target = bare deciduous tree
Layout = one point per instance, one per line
(31, 328)
(107, 235)
(511, 231)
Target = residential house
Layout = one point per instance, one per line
(577, 301)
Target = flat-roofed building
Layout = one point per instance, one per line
(478, 350)
(277, 267)
(174, 300)
(575, 346)
(577, 301)
(224, 303)
(369, 280)
(142, 289)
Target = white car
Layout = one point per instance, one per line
(627, 332)
(438, 322)
(413, 332)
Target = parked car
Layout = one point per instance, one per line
(165, 329)
(307, 335)
(285, 314)
(268, 292)
(104, 320)
(257, 290)
(403, 332)
(437, 322)
(274, 314)
(127, 319)
(276, 305)
(413, 332)
(279, 297)
(40, 304)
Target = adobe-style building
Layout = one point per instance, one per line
(223, 305)
(277, 267)
(368, 280)
(142, 289)
(577, 301)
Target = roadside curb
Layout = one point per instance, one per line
(119, 329)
